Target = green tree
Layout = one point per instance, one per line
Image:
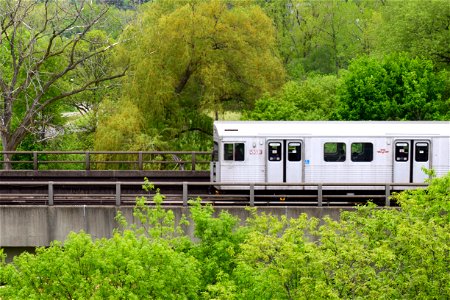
(278, 260)
(126, 266)
(40, 44)
(142, 262)
(377, 253)
(311, 99)
(190, 58)
(322, 36)
(420, 28)
(219, 240)
(124, 127)
(395, 88)
(370, 253)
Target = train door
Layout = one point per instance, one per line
(410, 156)
(284, 161)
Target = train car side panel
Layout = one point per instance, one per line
(329, 152)
(440, 158)
(355, 160)
(241, 159)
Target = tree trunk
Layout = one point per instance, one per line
(7, 161)
(6, 156)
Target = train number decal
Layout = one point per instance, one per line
(256, 152)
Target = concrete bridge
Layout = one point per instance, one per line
(26, 227)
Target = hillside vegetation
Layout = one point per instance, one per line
(153, 75)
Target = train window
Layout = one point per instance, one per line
(274, 151)
(334, 152)
(239, 150)
(228, 150)
(421, 152)
(401, 152)
(362, 152)
(294, 152)
(234, 151)
(215, 153)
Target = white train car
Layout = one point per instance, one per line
(328, 151)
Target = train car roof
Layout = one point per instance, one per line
(331, 128)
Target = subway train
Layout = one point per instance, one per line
(286, 153)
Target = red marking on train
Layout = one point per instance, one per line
(383, 151)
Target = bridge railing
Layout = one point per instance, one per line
(118, 193)
(106, 160)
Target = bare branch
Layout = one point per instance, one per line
(36, 108)
(56, 36)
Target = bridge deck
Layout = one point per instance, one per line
(110, 175)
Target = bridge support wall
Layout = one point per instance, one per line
(34, 226)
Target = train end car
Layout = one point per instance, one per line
(301, 154)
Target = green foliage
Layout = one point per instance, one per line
(192, 61)
(45, 46)
(370, 253)
(93, 68)
(137, 262)
(219, 243)
(431, 204)
(187, 58)
(419, 28)
(155, 223)
(122, 129)
(395, 88)
(123, 267)
(311, 99)
(277, 261)
(77, 134)
(322, 36)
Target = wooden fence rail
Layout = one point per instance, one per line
(105, 160)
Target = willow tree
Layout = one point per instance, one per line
(188, 59)
(42, 46)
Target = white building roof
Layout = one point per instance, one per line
(331, 128)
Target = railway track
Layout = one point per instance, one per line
(116, 177)
(179, 192)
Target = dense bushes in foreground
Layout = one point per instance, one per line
(371, 253)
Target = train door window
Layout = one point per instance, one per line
(215, 153)
(421, 152)
(334, 152)
(274, 151)
(234, 151)
(362, 152)
(401, 151)
(294, 151)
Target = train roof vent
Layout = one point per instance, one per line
(231, 129)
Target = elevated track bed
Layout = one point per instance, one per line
(104, 176)
(178, 192)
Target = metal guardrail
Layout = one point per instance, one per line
(105, 160)
(249, 193)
